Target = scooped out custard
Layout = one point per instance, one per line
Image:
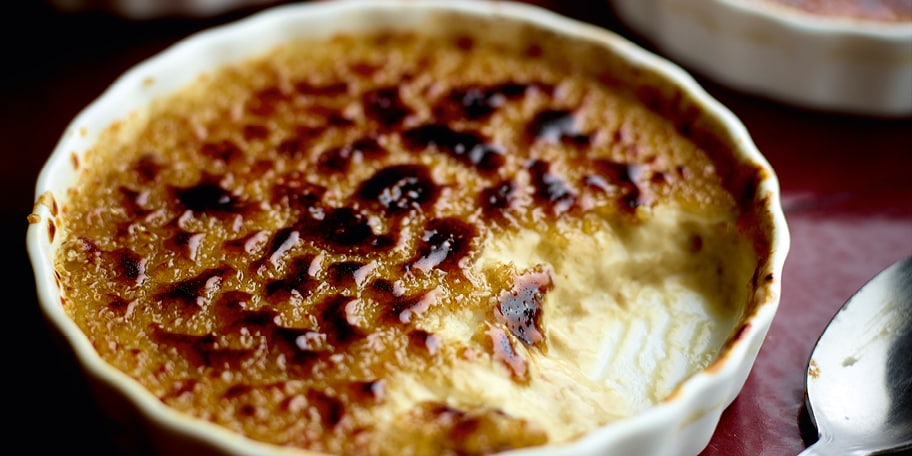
(405, 244)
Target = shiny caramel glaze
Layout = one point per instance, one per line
(277, 248)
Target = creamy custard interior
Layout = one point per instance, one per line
(401, 244)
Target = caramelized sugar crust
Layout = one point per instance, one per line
(297, 248)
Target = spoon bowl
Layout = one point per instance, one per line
(859, 376)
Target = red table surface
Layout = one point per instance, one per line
(847, 193)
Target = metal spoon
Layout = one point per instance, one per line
(859, 376)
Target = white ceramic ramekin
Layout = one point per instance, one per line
(682, 424)
(823, 63)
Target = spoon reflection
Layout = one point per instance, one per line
(859, 377)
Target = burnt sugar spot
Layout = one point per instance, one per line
(364, 68)
(236, 391)
(477, 102)
(253, 132)
(340, 159)
(404, 308)
(616, 179)
(534, 50)
(330, 409)
(298, 144)
(497, 199)
(279, 245)
(225, 151)
(185, 243)
(247, 244)
(383, 290)
(467, 147)
(51, 230)
(294, 191)
(696, 243)
(120, 305)
(336, 316)
(331, 89)
(400, 306)
(299, 347)
(134, 202)
(465, 431)
(556, 126)
(346, 274)
(750, 183)
(297, 283)
(520, 308)
(367, 391)
(202, 350)
(424, 342)
(182, 388)
(400, 188)
(444, 244)
(550, 189)
(87, 247)
(465, 43)
(343, 230)
(332, 117)
(265, 101)
(504, 352)
(130, 266)
(209, 197)
(232, 314)
(385, 106)
(193, 293)
(147, 168)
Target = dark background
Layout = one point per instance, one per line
(846, 186)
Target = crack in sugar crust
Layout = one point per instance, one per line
(361, 245)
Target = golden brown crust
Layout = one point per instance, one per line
(269, 249)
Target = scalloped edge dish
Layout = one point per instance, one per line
(826, 63)
(682, 424)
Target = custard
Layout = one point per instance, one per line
(406, 244)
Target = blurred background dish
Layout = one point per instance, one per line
(847, 57)
(154, 9)
(858, 10)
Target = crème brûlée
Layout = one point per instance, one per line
(408, 244)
